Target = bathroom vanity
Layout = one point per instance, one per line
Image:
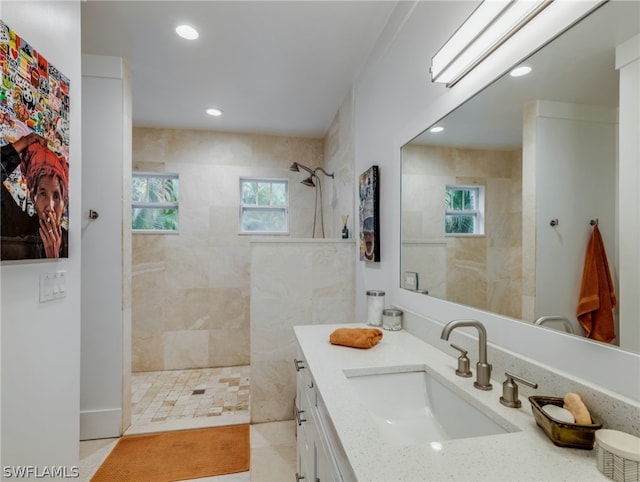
(343, 433)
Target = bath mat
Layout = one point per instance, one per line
(177, 455)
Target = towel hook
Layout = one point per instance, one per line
(554, 222)
(594, 222)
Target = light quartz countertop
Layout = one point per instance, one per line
(525, 454)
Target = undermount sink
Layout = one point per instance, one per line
(414, 408)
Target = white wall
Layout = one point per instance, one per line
(106, 247)
(628, 63)
(575, 181)
(41, 342)
(394, 101)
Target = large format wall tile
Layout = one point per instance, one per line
(198, 280)
(292, 284)
(185, 349)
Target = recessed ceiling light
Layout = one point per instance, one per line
(214, 112)
(520, 71)
(436, 129)
(187, 32)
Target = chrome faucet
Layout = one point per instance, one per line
(483, 369)
(565, 321)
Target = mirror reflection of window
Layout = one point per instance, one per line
(464, 210)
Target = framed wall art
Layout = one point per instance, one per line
(34, 137)
(369, 193)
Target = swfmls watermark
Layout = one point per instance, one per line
(37, 472)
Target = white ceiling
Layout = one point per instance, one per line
(273, 67)
(285, 67)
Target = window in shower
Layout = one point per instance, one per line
(154, 202)
(264, 206)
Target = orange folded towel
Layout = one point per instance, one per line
(356, 337)
(597, 296)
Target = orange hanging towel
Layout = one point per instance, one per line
(597, 296)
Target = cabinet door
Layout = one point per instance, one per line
(314, 461)
(338, 467)
(304, 445)
(322, 470)
(304, 438)
(302, 468)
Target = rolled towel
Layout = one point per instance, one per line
(356, 337)
(578, 409)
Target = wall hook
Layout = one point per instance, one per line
(93, 214)
(554, 222)
(594, 222)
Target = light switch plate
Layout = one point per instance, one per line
(410, 280)
(53, 286)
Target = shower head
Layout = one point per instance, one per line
(295, 167)
(309, 181)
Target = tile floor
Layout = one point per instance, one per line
(183, 399)
(189, 398)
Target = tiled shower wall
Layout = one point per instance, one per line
(191, 290)
(300, 282)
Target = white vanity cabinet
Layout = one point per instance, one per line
(343, 441)
(315, 459)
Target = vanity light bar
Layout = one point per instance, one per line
(488, 27)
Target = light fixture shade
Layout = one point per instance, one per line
(294, 167)
(488, 27)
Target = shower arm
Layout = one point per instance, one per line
(325, 172)
(296, 166)
(309, 170)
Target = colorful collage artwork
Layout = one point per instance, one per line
(34, 136)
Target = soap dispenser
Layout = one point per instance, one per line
(463, 362)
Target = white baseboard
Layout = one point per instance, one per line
(96, 424)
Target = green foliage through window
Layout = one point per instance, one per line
(463, 210)
(264, 205)
(154, 202)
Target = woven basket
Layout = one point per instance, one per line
(612, 462)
